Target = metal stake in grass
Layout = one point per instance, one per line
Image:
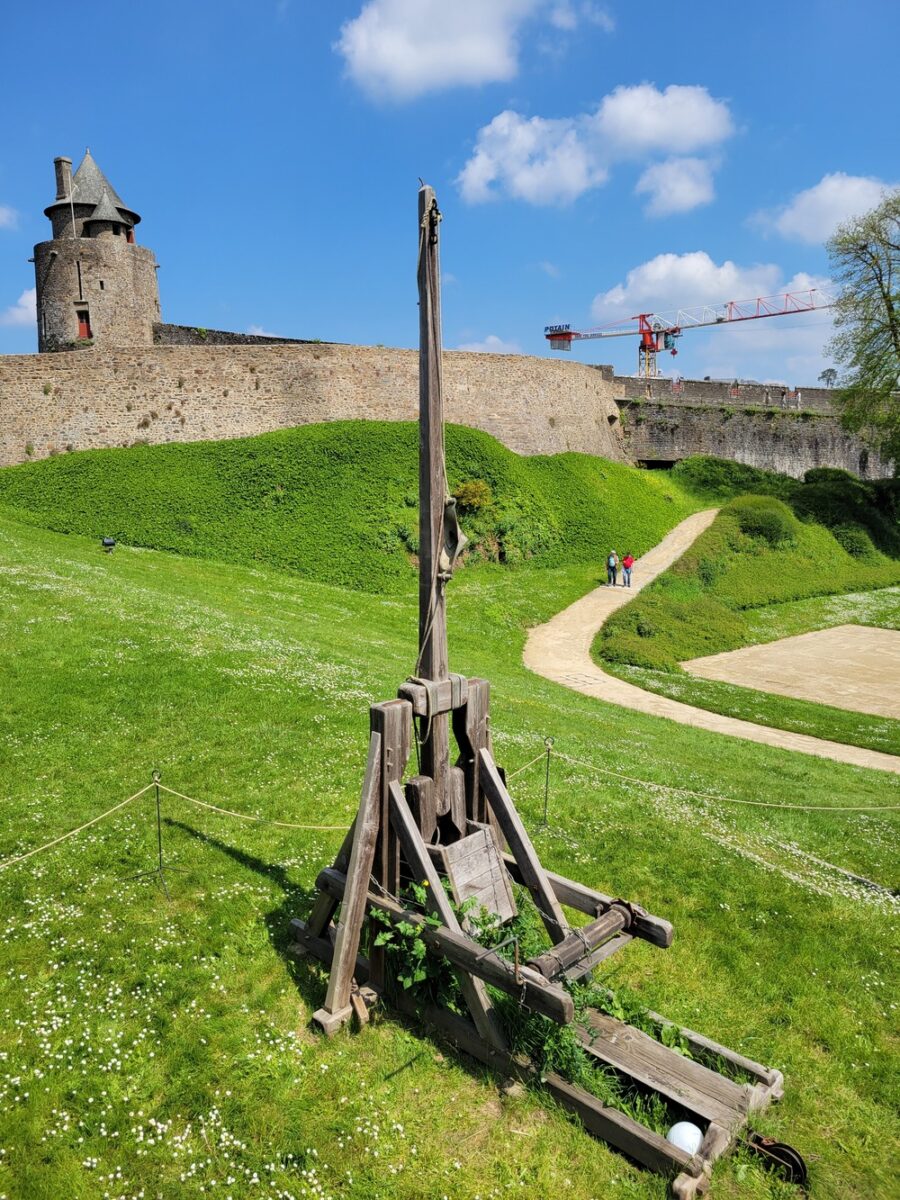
(548, 742)
(160, 869)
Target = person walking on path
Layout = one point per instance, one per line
(627, 564)
(612, 567)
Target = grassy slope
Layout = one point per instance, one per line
(768, 624)
(337, 502)
(721, 594)
(249, 688)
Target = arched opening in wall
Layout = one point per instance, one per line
(657, 464)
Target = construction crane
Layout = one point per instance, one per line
(659, 331)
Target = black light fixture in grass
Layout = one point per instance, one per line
(109, 544)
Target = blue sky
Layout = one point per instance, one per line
(592, 160)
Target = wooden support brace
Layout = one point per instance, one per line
(325, 906)
(530, 988)
(532, 873)
(473, 989)
(336, 1009)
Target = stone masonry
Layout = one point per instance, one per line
(87, 399)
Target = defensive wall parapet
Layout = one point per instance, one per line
(717, 393)
(93, 398)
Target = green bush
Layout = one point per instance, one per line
(764, 517)
(721, 479)
(473, 495)
(854, 540)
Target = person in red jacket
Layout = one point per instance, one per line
(627, 564)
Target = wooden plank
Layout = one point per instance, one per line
(420, 798)
(768, 1076)
(532, 873)
(444, 696)
(616, 1128)
(636, 1054)
(531, 989)
(585, 965)
(641, 1144)
(393, 721)
(325, 906)
(353, 908)
(476, 871)
(471, 727)
(584, 899)
(474, 991)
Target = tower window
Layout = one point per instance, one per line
(117, 229)
(101, 285)
(84, 323)
(129, 236)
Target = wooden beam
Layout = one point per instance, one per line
(336, 1008)
(641, 1144)
(471, 727)
(584, 899)
(433, 661)
(530, 988)
(524, 853)
(325, 906)
(585, 965)
(474, 991)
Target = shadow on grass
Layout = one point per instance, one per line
(297, 902)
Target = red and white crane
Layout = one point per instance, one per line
(658, 331)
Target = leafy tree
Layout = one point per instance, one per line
(865, 255)
(828, 377)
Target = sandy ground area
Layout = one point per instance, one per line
(560, 650)
(850, 666)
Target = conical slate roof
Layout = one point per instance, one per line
(106, 210)
(90, 186)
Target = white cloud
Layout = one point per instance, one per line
(676, 185)
(550, 269)
(555, 160)
(813, 215)
(789, 348)
(9, 218)
(258, 331)
(680, 119)
(567, 16)
(404, 48)
(492, 345)
(23, 312)
(539, 160)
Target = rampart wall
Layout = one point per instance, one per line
(782, 440)
(84, 399)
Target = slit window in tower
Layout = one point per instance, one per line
(84, 324)
(129, 235)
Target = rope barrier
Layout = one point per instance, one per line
(666, 787)
(21, 857)
(247, 817)
(539, 758)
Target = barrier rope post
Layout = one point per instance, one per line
(160, 869)
(548, 742)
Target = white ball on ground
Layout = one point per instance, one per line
(685, 1136)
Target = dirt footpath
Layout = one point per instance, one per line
(849, 666)
(560, 650)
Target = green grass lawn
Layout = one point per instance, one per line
(774, 621)
(162, 1049)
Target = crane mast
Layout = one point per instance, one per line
(659, 331)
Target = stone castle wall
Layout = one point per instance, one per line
(94, 398)
(787, 441)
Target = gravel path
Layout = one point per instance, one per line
(560, 650)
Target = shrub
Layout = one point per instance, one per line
(765, 518)
(473, 495)
(854, 540)
(720, 479)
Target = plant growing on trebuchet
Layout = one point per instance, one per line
(422, 847)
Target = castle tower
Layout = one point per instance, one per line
(95, 286)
